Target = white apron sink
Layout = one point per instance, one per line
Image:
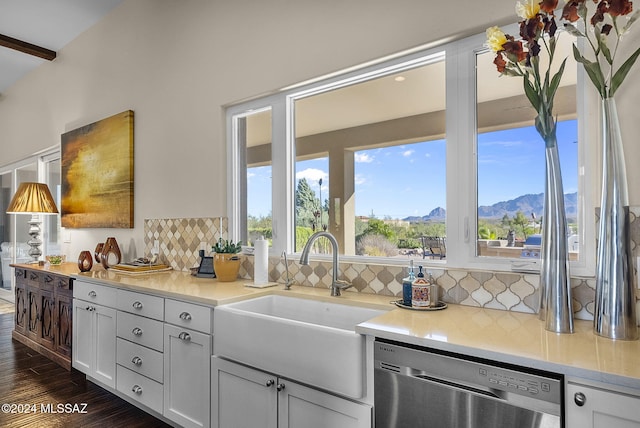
(305, 340)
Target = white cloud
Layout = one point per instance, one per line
(408, 153)
(312, 175)
(363, 158)
(359, 179)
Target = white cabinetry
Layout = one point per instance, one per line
(139, 340)
(589, 406)
(94, 332)
(276, 402)
(187, 359)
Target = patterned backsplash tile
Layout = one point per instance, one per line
(180, 240)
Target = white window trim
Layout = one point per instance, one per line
(461, 127)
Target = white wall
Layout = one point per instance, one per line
(176, 63)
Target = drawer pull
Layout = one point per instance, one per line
(580, 399)
(90, 308)
(280, 387)
(48, 279)
(137, 389)
(185, 316)
(137, 331)
(137, 305)
(137, 361)
(92, 293)
(184, 336)
(33, 276)
(270, 383)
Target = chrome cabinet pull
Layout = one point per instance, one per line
(137, 305)
(137, 389)
(184, 336)
(185, 316)
(90, 308)
(137, 361)
(280, 387)
(137, 331)
(269, 383)
(92, 293)
(580, 399)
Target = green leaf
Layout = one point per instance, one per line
(571, 29)
(593, 71)
(631, 20)
(555, 82)
(582, 11)
(618, 78)
(602, 44)
(532, 95)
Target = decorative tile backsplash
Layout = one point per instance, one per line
(180, 238)
(180, 241)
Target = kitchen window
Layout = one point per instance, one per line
(366, 154)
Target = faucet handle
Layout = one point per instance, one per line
(342, 285)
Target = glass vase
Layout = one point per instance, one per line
(615, 307)
(556, 306)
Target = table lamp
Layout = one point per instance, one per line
(34, 199)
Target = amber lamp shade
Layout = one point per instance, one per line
(34, 199)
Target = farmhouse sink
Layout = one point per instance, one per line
(305, 340)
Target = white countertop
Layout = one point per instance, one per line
(511, 337)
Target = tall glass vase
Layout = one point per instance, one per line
(615, 309)
(556, 306)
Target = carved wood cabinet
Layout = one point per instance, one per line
(43, 317)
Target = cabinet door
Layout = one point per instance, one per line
(187, 362)
(82, 338)
(62, 324)
(21, 308)
(47, 314)
(33, 313)
(303, 407)
(104, 345)
(600, 408)
(242, 396)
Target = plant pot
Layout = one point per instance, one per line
(226, 266)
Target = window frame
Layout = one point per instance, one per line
(461, 154)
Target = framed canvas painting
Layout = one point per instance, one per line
(97, 174)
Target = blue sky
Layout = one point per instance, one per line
(409, 179)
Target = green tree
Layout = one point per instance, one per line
(379, 227)
(522, 222)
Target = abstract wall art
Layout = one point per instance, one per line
(97, 174)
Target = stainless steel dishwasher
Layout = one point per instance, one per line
(418, 387)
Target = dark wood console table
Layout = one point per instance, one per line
(43, 317)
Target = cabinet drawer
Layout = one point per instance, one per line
(140, 388)
(141, 304)
(137, 329)
(140, 359)
(35, 278)
(188, 315)
(99, 294)
(58, 282)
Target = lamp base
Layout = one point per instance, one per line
(35, 241)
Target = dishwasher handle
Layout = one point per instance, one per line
(460, 387)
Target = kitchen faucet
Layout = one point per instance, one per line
(336, 285)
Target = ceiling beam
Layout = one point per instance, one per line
(28, 48)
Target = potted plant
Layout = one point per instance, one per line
(226, 261)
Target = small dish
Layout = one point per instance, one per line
(56, 259)
(438, 307)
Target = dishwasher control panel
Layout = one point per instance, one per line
(461, 371)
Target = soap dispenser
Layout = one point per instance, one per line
(406, 286)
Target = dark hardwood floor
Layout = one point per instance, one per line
(31, 381)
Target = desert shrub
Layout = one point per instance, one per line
(376, 246)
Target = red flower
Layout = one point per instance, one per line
(601, 9)
(548, 6)
(500, 63)
(620, 7)
(514, 48)
(570, 10)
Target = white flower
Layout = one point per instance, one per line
(528, 9)
(495, 38)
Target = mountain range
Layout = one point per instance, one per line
(527, 204)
